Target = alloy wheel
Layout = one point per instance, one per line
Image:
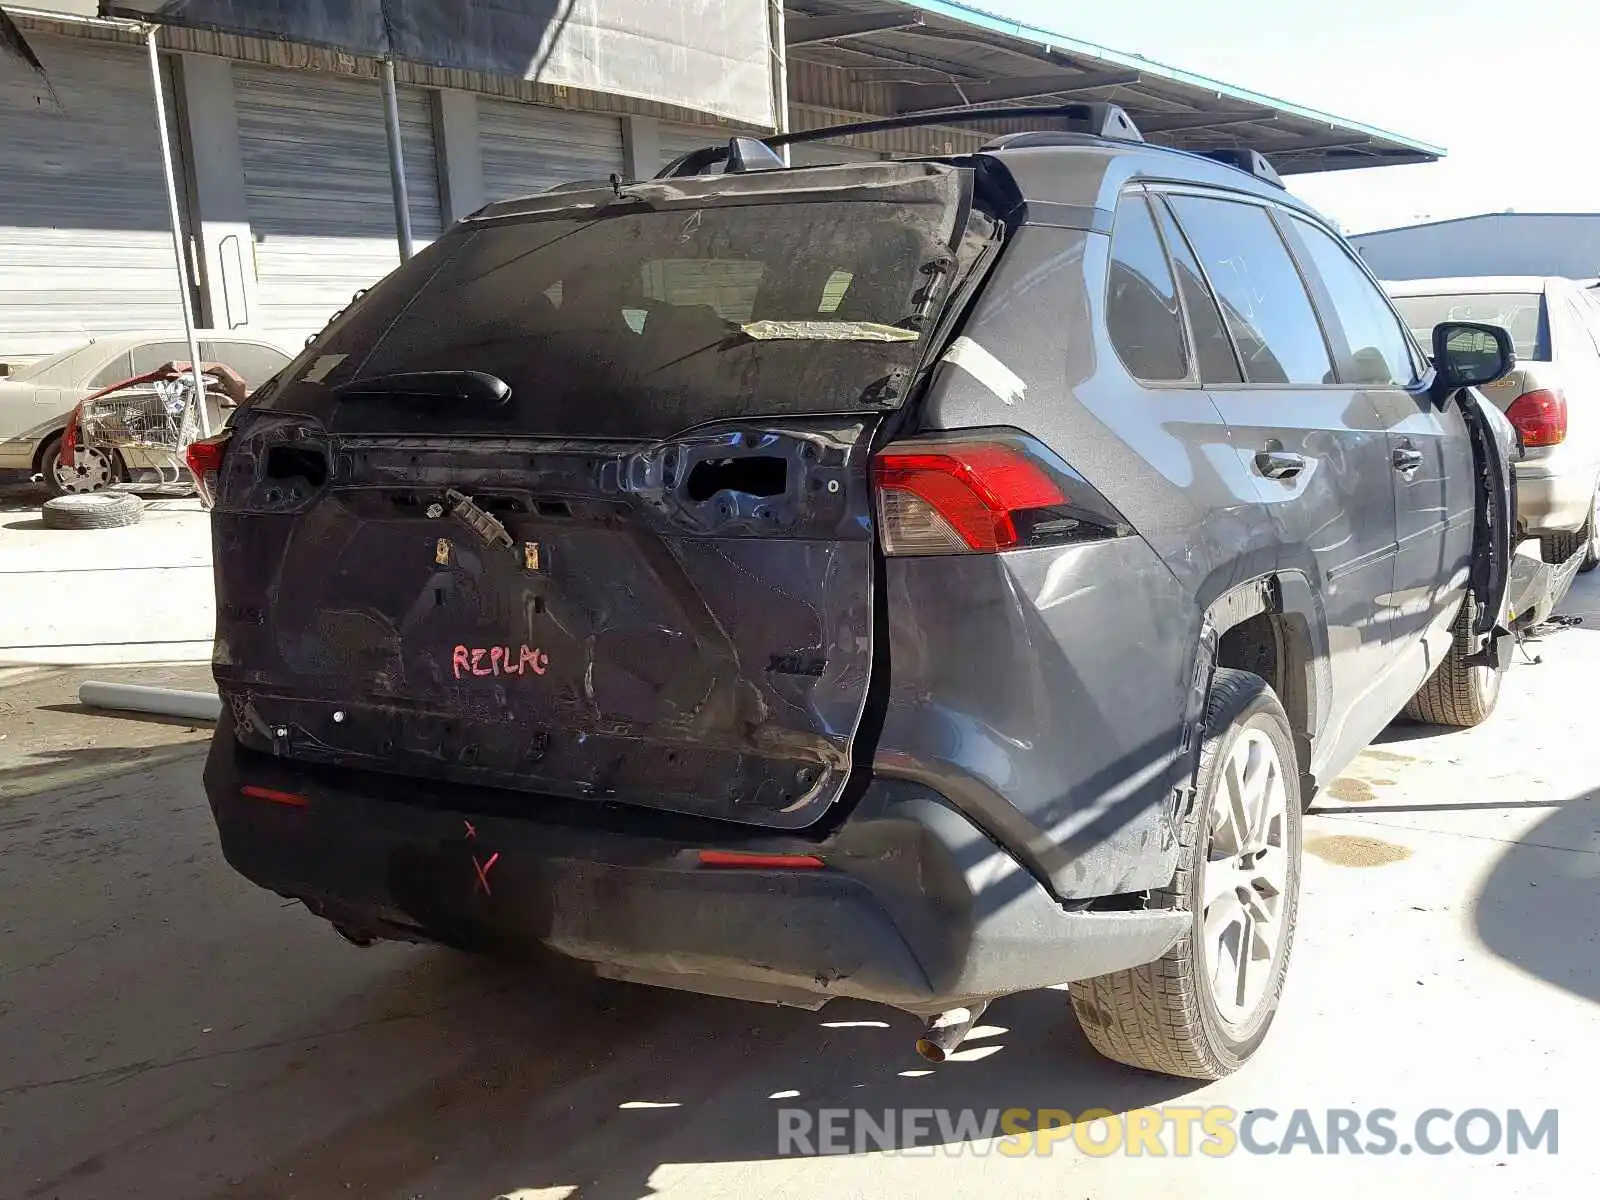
(1245, 879)
(93, 471)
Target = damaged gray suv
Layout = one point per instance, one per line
(912, 581)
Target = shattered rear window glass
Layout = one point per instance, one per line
(644, 324)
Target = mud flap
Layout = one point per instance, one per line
(1194, 720)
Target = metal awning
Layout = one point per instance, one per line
(890, 57)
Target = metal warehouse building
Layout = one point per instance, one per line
(1489, 244)
(285, 190)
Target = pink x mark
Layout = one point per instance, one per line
(483, 870)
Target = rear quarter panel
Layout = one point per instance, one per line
(1045, 690)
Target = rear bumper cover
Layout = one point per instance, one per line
(914, 907)
(1553, 501)
(16, 457)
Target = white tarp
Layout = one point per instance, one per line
(712, 56)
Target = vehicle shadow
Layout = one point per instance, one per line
(597, 1098)
(62, 767)
(138, 718)
(21, 497)
(239, 1048)
(1401, 729)
(1539, 908)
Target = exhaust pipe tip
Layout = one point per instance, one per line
(947, 1030)
(931, 1050)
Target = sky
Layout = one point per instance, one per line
(1510, 89)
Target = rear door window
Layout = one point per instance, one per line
(1213, 351)
(1376, 348)
(1143, 316)
(115, 371)
(255, 363)
(158, 354)
(1264, 300)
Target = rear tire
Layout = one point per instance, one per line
(1458, 694)
(1591, 553)
(1556, 548)
(94, 470)
(1194, 1012)
(92, 510)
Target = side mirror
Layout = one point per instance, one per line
(1468, 354)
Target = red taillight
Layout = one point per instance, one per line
(958, 498)
(205, 461)
(739, 858)
(69, 442)
(1540, 417)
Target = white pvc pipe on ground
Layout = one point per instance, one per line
(160, 702)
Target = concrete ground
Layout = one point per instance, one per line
(141, 593)
(168, 1031)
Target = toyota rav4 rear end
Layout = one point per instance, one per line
(558, 581)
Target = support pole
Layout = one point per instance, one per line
(181, 258)
(397, 162)
(780, 74)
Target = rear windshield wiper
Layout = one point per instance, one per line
(471, 387)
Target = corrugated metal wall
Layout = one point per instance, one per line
(527, 148)
(822, 154)
(678, 140)
(297, 56)
(85, 245)
(317, 184)
(1493, 244)
(84, 241)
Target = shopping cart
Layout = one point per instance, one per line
(145, 423)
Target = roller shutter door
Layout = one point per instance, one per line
(678, 140)
(823, 154)
(527, 148)
(316, 171)
(85, 244)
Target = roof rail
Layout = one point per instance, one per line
(1251, 162)
(1096, 120)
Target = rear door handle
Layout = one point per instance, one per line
(1407, 460)
(1279, 464)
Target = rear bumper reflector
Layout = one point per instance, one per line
(289, 799)
(781, 862)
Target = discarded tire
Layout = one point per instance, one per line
(92, 510)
